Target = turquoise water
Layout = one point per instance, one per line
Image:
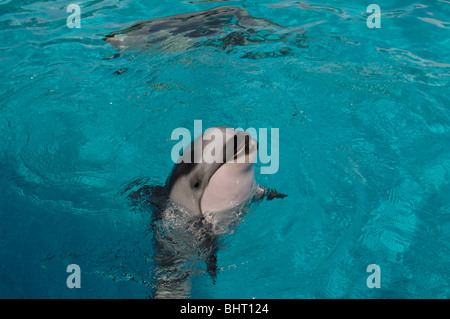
(364, 125)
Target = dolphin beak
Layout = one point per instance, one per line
(250, 146)
(244, 147)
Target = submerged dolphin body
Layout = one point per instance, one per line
(222, 27)
(199, 203)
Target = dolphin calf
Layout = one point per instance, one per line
(200, 202)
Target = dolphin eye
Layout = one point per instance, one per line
(196, 182)
(196, 185)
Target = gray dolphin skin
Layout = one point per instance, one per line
(200, 202)
(222, 27)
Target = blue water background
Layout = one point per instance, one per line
(364, 128)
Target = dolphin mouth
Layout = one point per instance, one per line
(242, 147)
(245, 147)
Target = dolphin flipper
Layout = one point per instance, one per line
(272, 193)
(267, 193)
(211, 263)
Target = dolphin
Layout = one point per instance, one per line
(208, 192)
(214, 186)
(222, 27)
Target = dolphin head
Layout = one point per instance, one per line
(215, 172)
